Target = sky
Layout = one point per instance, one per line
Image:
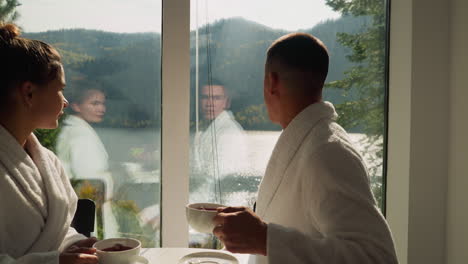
(145, 15)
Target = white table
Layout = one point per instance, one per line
(173, 255)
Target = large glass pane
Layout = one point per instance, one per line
(109, 140)
(232, 137)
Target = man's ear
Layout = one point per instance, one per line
(273, 81)
(26, 92)
(228, 103)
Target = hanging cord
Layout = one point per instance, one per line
(214, 145)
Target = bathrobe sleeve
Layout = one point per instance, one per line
(338, 200)
(72, 236)
(51, 257)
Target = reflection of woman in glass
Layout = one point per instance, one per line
(37, 202)
(82, 153)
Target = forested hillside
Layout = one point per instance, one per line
(127, 66)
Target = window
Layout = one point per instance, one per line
(109, 140)
(231, 135)
(114, 47)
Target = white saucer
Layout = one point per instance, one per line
(140, 260)
(208, 257)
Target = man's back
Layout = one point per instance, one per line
(317, 184)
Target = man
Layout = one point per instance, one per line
(314, 204)
(219, 150)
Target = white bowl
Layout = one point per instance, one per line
(199, 219)
(131, 255)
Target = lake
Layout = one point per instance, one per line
(123, 146)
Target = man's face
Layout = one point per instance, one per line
(213, 101)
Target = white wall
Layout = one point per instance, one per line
(399, 124)
(418, 129)
(457, 209)
(428, 131)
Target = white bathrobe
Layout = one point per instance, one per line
(316, 198)
(217, 152)
(221, 149)
(37, 203)
(84, 157)
(82, 153)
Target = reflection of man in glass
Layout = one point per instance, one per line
(81, 151)
(214, 100)
(219, 149)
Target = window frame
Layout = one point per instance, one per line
(417, 149)
(404, 97)
(175, 105)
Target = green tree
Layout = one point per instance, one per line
(8, 11)
(47, 137)
(366, 108)
(364, 83)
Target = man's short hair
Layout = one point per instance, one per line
(299, 52)
(213, 81)
(217, 82)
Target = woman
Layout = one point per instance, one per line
(37, 201)
(81, 151)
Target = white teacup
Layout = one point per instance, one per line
(109, 253)
(200, 216)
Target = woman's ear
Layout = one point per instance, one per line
(26, 93)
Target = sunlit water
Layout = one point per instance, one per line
(120, 142)
(121, 145)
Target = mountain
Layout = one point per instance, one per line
(128, 66)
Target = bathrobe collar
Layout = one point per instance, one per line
(286, 147)
(14, 155)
